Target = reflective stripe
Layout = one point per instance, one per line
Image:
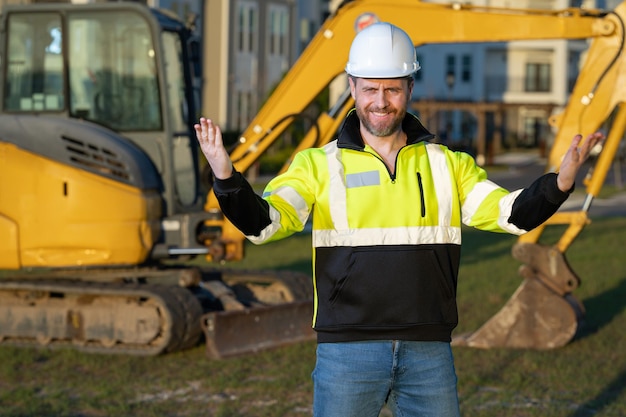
(269, 231)
(289, 196)
(475, 198)
(441, 174)
(388, 236)
(294, 199)
(506, 207)
(363, 179)
(337, 198)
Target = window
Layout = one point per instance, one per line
(35, 80)
(110, 77)
(175, 77)
(466, 68)
(112, 72)
(450, 64)
(538, 77)
(278, 29)
(247, 29)
(246, 70)
(450, 71)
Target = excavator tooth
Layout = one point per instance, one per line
(541, 314)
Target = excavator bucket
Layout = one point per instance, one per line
(239, 332)
(542, 313)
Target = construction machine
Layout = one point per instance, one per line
(543, 313)
(100, 189)
(101, 197)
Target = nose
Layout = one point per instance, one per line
(380, 99)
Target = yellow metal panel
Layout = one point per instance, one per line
(8, 244)
(69, 217)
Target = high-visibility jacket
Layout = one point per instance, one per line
(386, 245)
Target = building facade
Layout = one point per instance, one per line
(248, 46)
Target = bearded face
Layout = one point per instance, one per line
(381, 104)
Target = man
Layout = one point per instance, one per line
(387, 211)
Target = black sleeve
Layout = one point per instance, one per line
(241, 205)
(538, 202)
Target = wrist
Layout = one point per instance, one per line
(564, 185)
(224, 173)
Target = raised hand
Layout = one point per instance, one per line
(575, 156)
(210, 138)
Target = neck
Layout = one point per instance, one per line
(386, 147)
(384, 144)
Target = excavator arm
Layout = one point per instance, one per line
(543, 313)
(524, 321)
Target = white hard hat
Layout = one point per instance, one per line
(382, 50)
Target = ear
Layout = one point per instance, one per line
(352, 82)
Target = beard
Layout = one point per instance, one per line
(382, 128)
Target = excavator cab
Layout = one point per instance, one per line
(125, 73)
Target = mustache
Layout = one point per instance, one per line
(381, 110)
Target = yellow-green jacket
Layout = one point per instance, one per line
(386, 247)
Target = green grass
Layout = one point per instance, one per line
(587, 377)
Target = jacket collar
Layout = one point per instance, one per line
(350, 134)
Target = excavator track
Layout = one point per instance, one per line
(151, 311)
(126, 318)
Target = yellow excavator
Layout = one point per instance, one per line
(100, 188)
(101, 197)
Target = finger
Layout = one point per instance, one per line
(572, 152)
(218, 136)
(590, 142)
(597, 138)
(210, 131)
(200, 128)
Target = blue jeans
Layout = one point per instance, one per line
(357, 379)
